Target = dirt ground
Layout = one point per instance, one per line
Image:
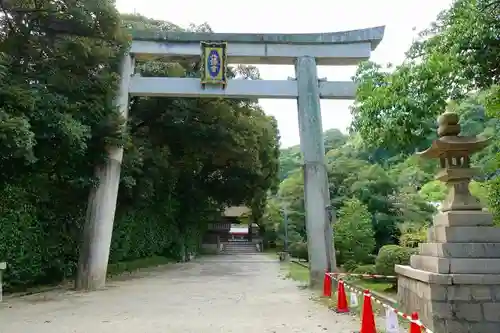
(239, 293)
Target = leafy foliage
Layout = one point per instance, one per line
(184, 158)
(379, 193)
(299, 250)
(365, 269)
(434, 191)
(458, 54)
(291, 159)
(389, 256)
(452, 65)
(58, 82)
(353, 233)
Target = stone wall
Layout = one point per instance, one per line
(452, 308)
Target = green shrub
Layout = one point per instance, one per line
(494, 197)
(365, 269)
(299, 250)
(40, 245)
(350, 265)
(391, 255)
(353, 234)
(412, 236)
(130, 266)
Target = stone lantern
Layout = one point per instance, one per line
(453, 152)
(454, 280)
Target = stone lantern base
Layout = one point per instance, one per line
(454, 281)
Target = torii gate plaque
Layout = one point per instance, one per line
(305, 52)
(213, 64)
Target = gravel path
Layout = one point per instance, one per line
(214, 294)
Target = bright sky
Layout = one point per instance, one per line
(268, 16)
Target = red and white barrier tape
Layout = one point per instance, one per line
(376, 300)
(372, 276)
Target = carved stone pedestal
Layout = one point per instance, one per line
(454, 281)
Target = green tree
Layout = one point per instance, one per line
(353, 233)
(290, 160)
(184, 158)
(371, 184)
(56, 115)
(391, 255)
(452, 65)
(434, 191)
(494, 198)
(458, 54)
(333, 139)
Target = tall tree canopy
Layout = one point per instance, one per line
(397, 107)
(453, 65)
(184, 158)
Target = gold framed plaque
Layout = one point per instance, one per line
(214, 63)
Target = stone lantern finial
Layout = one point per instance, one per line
(453, 152)
(448, 124)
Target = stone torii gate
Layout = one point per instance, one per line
(304, 51)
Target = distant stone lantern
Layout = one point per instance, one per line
(453, 152)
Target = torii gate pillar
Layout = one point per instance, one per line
(317, 195)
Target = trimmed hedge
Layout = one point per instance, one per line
(299, 250)
(41, 247)
(391, 255)
(365, 269)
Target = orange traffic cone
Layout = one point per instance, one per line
(341, 298)
(414, 327)
(367, 317)
(327, 285)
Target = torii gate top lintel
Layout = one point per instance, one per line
(371, 35)
(344, 48)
